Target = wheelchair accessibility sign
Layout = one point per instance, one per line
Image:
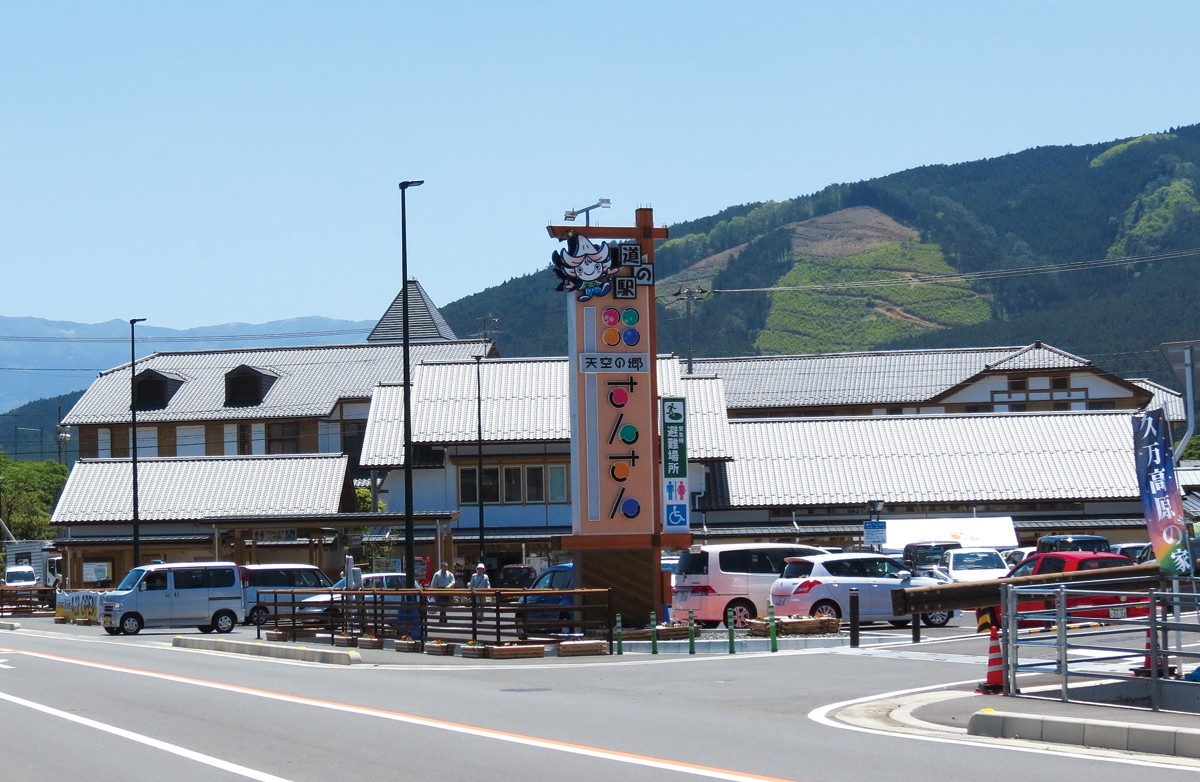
(677, 516)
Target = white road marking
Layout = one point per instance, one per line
(207, 760)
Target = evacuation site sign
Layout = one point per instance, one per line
(673, 416)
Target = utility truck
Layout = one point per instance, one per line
(39, 555)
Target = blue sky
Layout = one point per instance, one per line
(202, 163)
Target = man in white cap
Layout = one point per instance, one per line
(480, 580)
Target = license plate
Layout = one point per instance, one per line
(1116, 613)
(107, 621)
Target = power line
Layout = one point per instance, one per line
(210, 338)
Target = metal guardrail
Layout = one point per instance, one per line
(1145, 639)
(495, 616)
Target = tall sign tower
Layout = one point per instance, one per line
(617, 522)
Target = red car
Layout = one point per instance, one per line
(1079, 607)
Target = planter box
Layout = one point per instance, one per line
(370, 643)
(278, 635)
(439, 649)
(581, 648)
(665, 633)
(345, 640)
(473, 651)
(408, 646)
(795, 626)
(514, 652)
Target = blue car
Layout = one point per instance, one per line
(556, 577)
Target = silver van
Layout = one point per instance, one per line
(206, 595)
(273, 579)
(713, 579)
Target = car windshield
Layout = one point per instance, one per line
(977, 560)
(131, 579)
(693, 563)
(927, 555)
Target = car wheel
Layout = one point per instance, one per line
(113, 630)
(937, 618)
(131, 624)
(204, 628)
(826, 609)
(898, 622)
(742, 611)
(224, 621)
(258, 616)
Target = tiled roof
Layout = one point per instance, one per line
(425, 322)
(882, 377)
(927, 459)
(524, 400)
(182, 489)
(310, 381)
(1169, 400)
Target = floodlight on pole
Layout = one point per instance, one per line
(409, 544)
(601, 203)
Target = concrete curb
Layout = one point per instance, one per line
(1150, 739)
(10, 625)
(299, 652)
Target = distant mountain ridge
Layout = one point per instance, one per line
(40, 359)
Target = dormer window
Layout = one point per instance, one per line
(153, 389)
(247, 386)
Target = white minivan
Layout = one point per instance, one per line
(207, 595)
(276, 581)
(715, 578)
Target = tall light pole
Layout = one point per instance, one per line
(137, 541)
(410, 552)
(571, 214)
(479, 447)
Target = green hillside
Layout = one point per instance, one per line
(1126, 198)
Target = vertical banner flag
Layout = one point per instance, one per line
(674, 460)
(1160, 494)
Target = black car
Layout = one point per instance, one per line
(516, 576)
(1097, 543)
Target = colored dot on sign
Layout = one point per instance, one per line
(618, 397)
(630, 508)
(620, 471)
(629, 434)
(610, 316)
(630, 317)
(631, 337)
(612, 337)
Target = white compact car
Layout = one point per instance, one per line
(820, 586)
(972, 564)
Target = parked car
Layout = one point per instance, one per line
(1084, 606)
(20, 576)
(971, 564)
(820, 586)
(329, 601)
(1073, 543)
(1131, 550)
(516, 576)
(207, 595)
(1015, 556)
(713, 579)
(921, 558)
(552, 578)
(1147, 555)
(274, 578)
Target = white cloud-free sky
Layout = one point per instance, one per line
(198, 163)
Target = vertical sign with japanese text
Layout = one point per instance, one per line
(1160, 494)
(614, 377)
(673, 416)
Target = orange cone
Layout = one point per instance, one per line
(1149, 664)
(995, 672)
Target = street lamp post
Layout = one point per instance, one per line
(479, 447)
(409, 545)
(571, 214)
(133, 444)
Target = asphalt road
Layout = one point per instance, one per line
(78, 704)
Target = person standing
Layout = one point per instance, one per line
(479, 581)
(443, 579)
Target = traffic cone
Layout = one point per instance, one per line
(1149, 663)
(995, 672)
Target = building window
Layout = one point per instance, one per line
(1108, 405)
(535, 483)
(514, 484)
(245, 440)
(283, 437)
(1017, 384)
(1060, 383)
(353, 433)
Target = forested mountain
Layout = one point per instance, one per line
(997, 219)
